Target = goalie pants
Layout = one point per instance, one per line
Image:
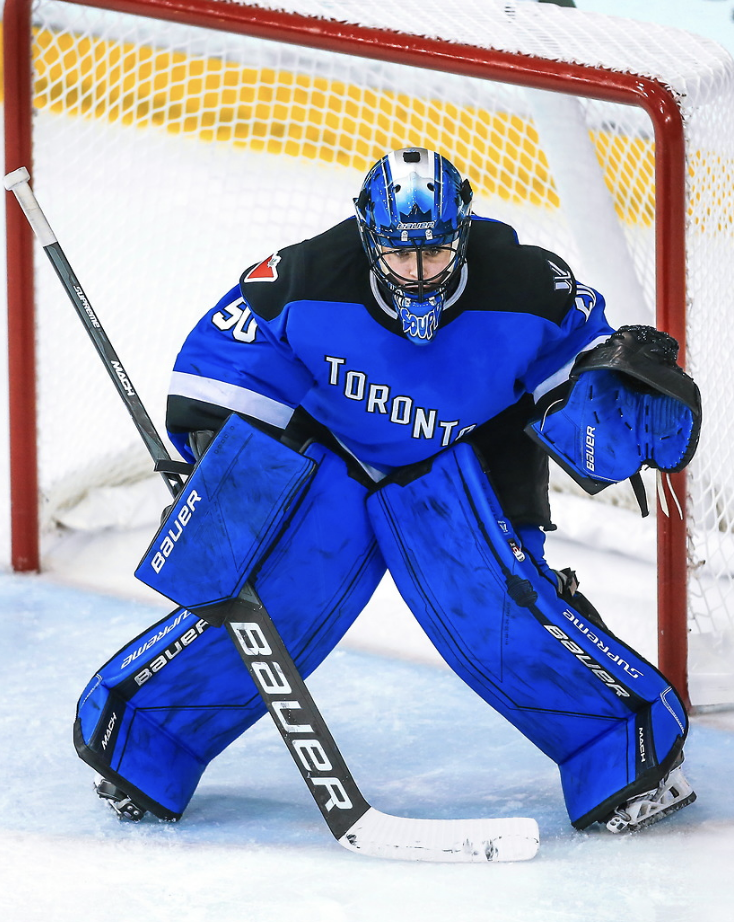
(161, 709)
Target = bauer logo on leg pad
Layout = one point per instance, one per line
(180, 521)
(583, 657)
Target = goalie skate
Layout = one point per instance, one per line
(672, 794)
(124, 806)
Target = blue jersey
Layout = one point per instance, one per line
(309, 327)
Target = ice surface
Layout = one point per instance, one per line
(252, 845)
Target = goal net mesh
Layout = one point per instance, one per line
(169, 157)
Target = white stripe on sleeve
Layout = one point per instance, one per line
(562, 374)
(231, 396)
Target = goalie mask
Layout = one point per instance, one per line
(414, 214)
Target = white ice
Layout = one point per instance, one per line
(252, 846)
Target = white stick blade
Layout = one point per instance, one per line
(383, 836)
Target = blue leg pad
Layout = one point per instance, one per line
(581, 695)
(179, 693)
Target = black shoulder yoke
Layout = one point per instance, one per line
(507, 276)
(329, 267)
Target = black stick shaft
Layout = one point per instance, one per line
(112, 363)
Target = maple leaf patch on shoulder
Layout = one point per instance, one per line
(265, 271)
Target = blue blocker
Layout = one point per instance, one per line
(607, 717)
(165, 705)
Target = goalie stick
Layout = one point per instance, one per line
(352, 821)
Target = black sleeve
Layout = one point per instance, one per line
(517, 467)
(184, 414)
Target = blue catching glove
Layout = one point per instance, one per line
(627, 404)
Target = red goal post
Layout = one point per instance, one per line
(328, 27)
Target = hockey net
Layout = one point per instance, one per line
(172, 143)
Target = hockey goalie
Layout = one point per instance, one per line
(426, 365)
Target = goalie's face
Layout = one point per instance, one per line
(418, 270)
(418, 277)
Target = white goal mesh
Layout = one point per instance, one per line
(168, 157)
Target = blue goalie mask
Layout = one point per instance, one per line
(414, 213)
